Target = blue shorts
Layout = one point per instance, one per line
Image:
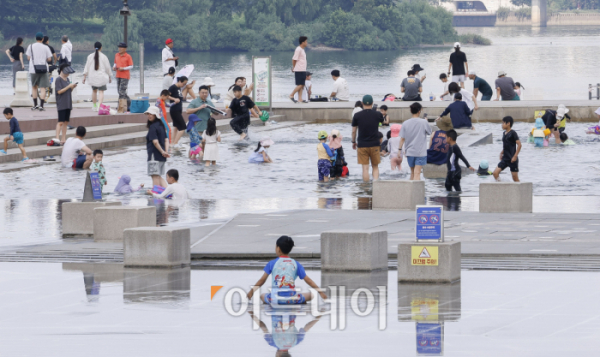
(324, 167)
(294, 298)
(18, 137)
(486, 97)
(79, 161)
(417, 161)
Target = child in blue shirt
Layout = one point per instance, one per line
(284, 271)
(15, 133)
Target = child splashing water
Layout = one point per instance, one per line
(260, 154)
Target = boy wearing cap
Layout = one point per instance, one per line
(38, 56)
(325, 156)
(123, 64)
(64, 101)
(366, 123)
(168, 57)
(458, 62)
(505, 87)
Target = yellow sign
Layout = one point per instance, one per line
(424, 309)
(424, 255)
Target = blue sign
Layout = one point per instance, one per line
(429, 338)
(96, 185)
(430, 223)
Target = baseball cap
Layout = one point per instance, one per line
(168, 41)
(367, 99)
(501, 73)
(122, 45)
(473, 73)
(153, 110)
(322, 135)
(39, 35)
(456, 44)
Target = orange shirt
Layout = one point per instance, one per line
(123, 60)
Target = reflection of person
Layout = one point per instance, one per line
(284, 271)
(281, 337)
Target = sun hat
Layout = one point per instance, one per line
(266, 142)
(563, 106)
(367, 99)
(153, 110)
(417, 67)
(501, 73)
(445, 124)
(456, 44)
(484, 164)
(395, 128)
(560, 113)
(122, 45)
(208, 82)
(322, 135)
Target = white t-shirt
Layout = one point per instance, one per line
(468, 98)
(166, 54)
(40, 55)
(70, 151)
(340, 88)
(177, 190)
(167, 82)
(356, 110)
(307, 84)
(447, 97)
(300, 58)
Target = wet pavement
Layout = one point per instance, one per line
(100, 310)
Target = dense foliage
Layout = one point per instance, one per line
(269, 25)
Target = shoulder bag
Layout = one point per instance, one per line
(39, 68)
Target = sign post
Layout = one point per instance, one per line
(93, 188)
(430, 223)
(262, 91)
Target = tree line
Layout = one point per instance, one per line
(266, 25)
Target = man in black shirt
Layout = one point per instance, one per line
(366, 122)
(458, 62)
(509, 157)
(177, 108)
(239, 109)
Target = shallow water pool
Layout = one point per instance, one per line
(554, 170)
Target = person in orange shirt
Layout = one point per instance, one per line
(123, 63)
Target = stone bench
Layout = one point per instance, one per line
(110, 222)
(354, 250)
(156, 247)
(22, 97)
(398, 195)
(78, 217)
(506, 197)
(448, 263)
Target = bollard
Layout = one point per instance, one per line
(22, 97)
(349, 250)
(52, 97)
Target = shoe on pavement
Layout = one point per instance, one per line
(25, 159)
(3, 152)
(35, 108)
(41, 109)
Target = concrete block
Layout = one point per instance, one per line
(353, 281)
(474, 138)
(431, 171)
(506, 197)
(429, 302)
(160, 247)
(78, 217)
(399, 195)
(110, 222)
(447, 269)
(52, 97)
(157, 286)
(76, 78)
(22, 97)
(354, 250)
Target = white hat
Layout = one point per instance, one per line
(456, 44)
(266, 142)
(473, 73)
(501, 73)
(560, 113)
(208, 82)
(563, 106)
(153, 110)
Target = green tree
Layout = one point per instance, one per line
(113, 33)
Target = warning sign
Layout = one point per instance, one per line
(424, 255)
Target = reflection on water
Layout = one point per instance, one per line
(284, 333)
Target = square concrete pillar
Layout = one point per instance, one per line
(506, 197)
(414, 266)
(110, 222)
(158, 247)
(354, 250)
(398, 195)
(22, 97)
(78, 217)
(432, 171)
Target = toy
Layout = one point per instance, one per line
(539, 134)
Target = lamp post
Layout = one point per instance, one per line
(125, 12)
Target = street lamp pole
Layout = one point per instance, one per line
(125, 12)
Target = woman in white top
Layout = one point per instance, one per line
(468, 97)
(358, 107)
(168, 79)
(211, 137)
(98, 73)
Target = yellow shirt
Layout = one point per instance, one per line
(322, 152)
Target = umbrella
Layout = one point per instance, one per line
(185, 71)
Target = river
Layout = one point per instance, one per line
(551, 63)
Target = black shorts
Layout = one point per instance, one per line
(64, 115)
(178, 121)
(514, 166)
(560, 130)
(300, 78)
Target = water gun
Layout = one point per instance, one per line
(159, 189)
